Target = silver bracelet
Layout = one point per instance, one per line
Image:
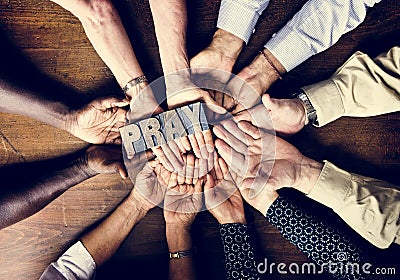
(134, 82)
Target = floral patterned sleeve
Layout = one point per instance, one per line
(329, 247)
(239, 253)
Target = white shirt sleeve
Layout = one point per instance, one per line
(315, 28)
(239, 17)
(75, 264)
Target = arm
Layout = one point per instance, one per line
(239, 252)
(98, 245)
(315, 28)
(96, 122)
(231, 34)
(181, 205)
(367, 205)
(105, 31)
(361, 87)
(170, 26)
(41, 183)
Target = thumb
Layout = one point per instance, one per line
(120, 168)
(209, 182)
(268, 102)
(111, 102)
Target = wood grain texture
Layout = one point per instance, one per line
(41, 43)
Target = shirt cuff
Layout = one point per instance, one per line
(326, 100)
(332, 186)
(76, 263)
(288, 47)
(237, 19)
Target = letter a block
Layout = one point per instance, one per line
(160, 129)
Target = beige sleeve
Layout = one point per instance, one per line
(370, 206)
(361, 87)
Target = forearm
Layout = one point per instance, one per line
(315, 28)
(320, 241)
(16, 99)
(105, 31)
(178, 238)
(105, 239)
(361, 87)
(170, 22)
(370, 206)
(31, 190)
(239, 252)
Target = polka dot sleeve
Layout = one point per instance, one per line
(239, 253)
(330, 248)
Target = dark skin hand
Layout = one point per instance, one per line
(27, 188)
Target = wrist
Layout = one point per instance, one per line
(178, 237)
(137, 205)
(310, 171)
(234, 219)
(227, 44)
(83, 165)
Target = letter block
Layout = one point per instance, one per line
(160, 129)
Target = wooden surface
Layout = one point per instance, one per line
(43, 44)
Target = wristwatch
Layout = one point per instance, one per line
(311, 112)
(181, 254)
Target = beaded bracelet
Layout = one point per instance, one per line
(134, 82)
(272, 65)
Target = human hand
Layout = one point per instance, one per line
(143, 105)
(148, 190)
(212, 67)
(182, 91)
(259, 75)
(182, 202)
(105, 160)
(286, 116)
(222, 198)
(99, 121)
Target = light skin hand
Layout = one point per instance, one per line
(259, 75)
(291, 168)
(182, 203)
(288, 116)
(148, 190)
(222, 198)
(99, 121)
(105, 160)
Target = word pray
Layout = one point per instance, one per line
(160, 129)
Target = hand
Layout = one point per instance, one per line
(212, 67)
(105, 160)
(171, 154)
(259, 75)
(148, 190)
(143, 105)
(182, 202)
(99, 121)
(246, 156)
(222, 198)
(182, 91)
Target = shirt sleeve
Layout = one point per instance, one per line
(361, 87)
(239, 17)
(239, 253)
(315, 28)
(369, 206)
(75, 264)
(321, 242)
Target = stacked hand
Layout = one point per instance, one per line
(99, 121)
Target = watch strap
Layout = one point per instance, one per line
(311, 112)
(181, 254)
